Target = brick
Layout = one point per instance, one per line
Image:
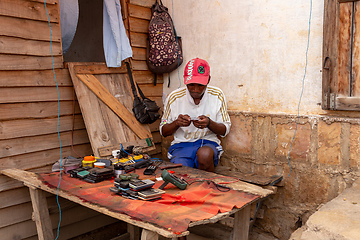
(329, 136)
(301, 144)
(239, 138)
(354, 145)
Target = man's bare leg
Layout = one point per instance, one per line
(205, 156)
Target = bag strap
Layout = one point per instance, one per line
(140, 92)
(133, 88)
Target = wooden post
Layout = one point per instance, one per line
(241, 224)
(41, 214)
(134, 231)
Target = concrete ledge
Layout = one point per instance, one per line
(338, 219)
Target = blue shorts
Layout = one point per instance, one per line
(185, 153)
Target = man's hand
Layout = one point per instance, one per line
(183, 120)
(202, 122)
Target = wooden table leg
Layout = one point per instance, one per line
(241, 224)
(134, 232)
(41, 214)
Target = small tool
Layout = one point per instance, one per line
(170, 178)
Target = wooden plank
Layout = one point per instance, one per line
(139, 25)
(29, 29)
(241, 224)
(344, 58)
(356, 53)
(38, 94)
(150, 90)
(35, 160)
(72, 230)
(215, 218)
(14, 197)
(16, 213)
(99, 119)
(238, 186)
(138, 39)
(99, 68)
(157, 150)
(147, 144)
(143, 3)
(139, 12)
(47, 1)
(348, 103)
(96, 87)
(19, 231)
(32, 180)
(82, 218)
(35, 78)
(23, 62)
(143, 77)
(139, 66)
(155, 125)
(20, 146)
(330, 51)
(156, 137)
(248, 177)
(12, 45)
(33, 127)
(139, 53)
(29, 10)
(37, 109)
(41, 214)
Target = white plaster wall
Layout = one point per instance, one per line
(256, 50)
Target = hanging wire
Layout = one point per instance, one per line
(58, 118)
(302, 88)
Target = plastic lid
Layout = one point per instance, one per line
(89, 159)
(99, 164)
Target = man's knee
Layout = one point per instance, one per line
(205, 153)
(205, 158)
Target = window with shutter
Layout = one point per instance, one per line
(341, 55)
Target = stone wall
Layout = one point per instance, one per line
(324, 160)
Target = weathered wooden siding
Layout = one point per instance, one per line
(29, 109)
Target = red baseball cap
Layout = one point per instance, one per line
(197, 71)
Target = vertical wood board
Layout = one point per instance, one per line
(104, 127)
(344, 58)
(356, 52)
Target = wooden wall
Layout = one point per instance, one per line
(29, 96)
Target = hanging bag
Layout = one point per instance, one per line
(164, 51)
(145, 110)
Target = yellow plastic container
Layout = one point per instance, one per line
(88, 161)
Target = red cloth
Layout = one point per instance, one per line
(174, 211)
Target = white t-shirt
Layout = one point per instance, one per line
(212, 104)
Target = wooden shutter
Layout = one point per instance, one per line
(341, 55)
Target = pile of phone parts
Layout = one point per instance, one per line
(137, 189)
(92, 175)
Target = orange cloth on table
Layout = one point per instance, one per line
(174, 211)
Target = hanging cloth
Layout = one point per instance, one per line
(116, 43)
(69, 15)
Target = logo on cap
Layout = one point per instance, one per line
(201, 69)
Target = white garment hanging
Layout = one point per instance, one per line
(116, 43)
(69, 15)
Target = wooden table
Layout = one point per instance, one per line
(43, 223)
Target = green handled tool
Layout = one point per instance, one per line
(170, 178)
